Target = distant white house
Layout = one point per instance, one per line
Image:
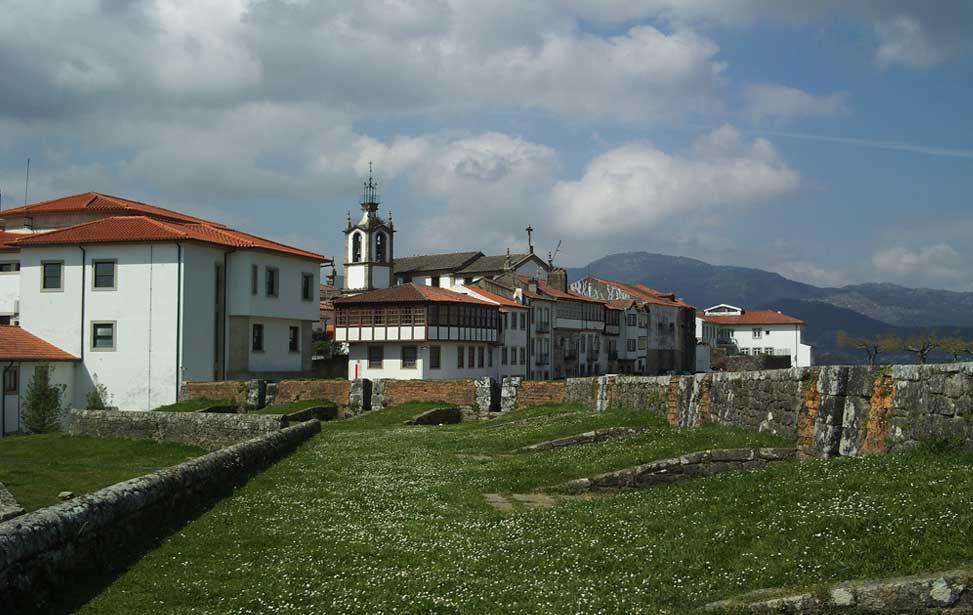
(754, 332)
(147, 298)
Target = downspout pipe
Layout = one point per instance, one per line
(3, 403)
(226, 277)
(84, 271)
(178, 317)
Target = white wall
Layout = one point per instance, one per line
(288, 303)
(15, 404)
(140, 372)
(9, 285)
(783, 339)
(276, 355)
(198, 324)
(392, 362)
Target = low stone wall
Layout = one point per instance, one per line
(941, 592)
(207, 430)
(9, 508)
(722, 362)
(589, 437)
(40, 550)
(395, 392)
(289, 391)
(540, 393)
(693, 465)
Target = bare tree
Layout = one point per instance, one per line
(956, 346)
(872, 346)
(921, 346)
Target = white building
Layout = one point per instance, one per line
(754, 332)
(148, 298)
(416, 331)
(22, 355)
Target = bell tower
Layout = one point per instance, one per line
(368, 245)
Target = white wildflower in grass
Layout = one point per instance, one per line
(373, 517)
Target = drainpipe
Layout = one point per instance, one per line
(3, 404)
(178, 315)
(226, 276)
(84, 257)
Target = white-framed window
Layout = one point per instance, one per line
(460, 356)
(630, 345)
(103, 274)
(272, 281)
(757, 333)
(52, 276)
(435, 357)
(471, 357)
(10, 267)
(103, 336)
(376, 357)
(294, 339)
(523, 355)
(409, 356)
(307, 286)
(480, 356)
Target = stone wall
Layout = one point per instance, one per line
(289, 391)
(41, 550)
(195, 428)
(720, 361)
(395, 392)
(540, 393)
(9, 508)
(233, 390)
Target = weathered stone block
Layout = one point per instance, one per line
(438, 416)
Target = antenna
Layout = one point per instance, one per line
(27, 181)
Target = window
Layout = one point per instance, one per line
(409, 354)
(471, 357)
(103, 336)
(257, 341)
(630, 319)
(643, 343)
(769, 351)
(9, 267)
(10, 380)
(480, 356)
(254, 279)
(272, 281)
(307, 286)
(503, 356)
(460, 355)
(505, 321)
(104, 274)
(489, 357)
(757, 334)
(376, 355)
(435, 281)
(356, 248)
(523, 356)
(380, 247)
(435, 357)
(630, 345)
(294, 339)
(52, 276)
(467, 280)
(582, 343)
(523, 321)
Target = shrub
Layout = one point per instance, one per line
(98, 397)
(42, 412)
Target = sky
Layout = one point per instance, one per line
(829, 141)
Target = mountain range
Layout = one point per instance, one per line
(859, 309)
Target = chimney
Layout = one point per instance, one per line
(557, 279)
(532, 285)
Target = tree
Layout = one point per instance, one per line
(956, 346)
(872, 346)
(42, 407)
(921, 346)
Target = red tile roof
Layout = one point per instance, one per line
(16, 344)
(647, 295)
(500, 299)
(142, 228)
(95, 202)
(6, 240)
(752, 317)
(570, 295)
(410, 293)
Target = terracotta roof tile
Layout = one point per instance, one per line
(410, 293)
(101, 203)
(17, 344)
(142, 228)
(500, 299)
(752, 317)
(6, 240)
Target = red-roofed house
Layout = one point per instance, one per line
(415, 331)
(659, 325)
(754, 332)
(148, 298)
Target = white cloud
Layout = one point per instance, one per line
(904, 41)
(629, 189)
(940, 261)
(771, 101)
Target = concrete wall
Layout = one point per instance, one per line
(41, 550)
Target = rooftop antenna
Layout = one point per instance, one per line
(530, 241)
(551, 257)
(27, 181)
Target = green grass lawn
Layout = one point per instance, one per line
(194, 405)
(374, 517)
(294, 406)
(35, 468)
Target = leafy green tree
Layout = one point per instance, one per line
(43, 407)
(98, 397)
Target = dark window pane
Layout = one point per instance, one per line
(104, 275)
(52, 275)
